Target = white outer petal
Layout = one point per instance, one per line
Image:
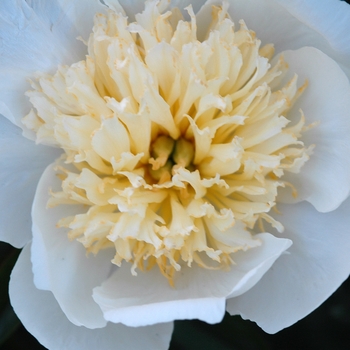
(300, 281)
(132, 7)
(41, 315)
(38, 36)
(21, 165)
(62, 266)
(198, 293)
(329, 18)
(67, 20)
(324, 180)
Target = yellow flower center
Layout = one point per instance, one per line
(176, 146)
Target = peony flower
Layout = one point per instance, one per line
(176, 161)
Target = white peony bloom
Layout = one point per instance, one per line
(179, 160)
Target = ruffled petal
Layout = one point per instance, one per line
(324, 180)
(21, 164)
(326, 100)
(41, 315)
(300, 281)
(199, 293)
(290, 25)
(38, 36)
(63, 266)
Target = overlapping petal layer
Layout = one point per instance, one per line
(21, 163)
(316, 265)
(51, 327)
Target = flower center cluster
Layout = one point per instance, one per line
(169, 155)
(175, 146)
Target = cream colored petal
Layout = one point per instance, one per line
(163, 59)
(202, 140)
(138, 125)
(111, 140)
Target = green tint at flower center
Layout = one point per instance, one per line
(176, 147)
(169, 154)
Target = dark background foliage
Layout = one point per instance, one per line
(328, 327)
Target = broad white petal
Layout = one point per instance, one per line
(43, 318)
(38, 36)
(14, 105)
(132, 7)
(324, 180)
(254, 264)
(21, 164)
(329, 18)
(67, 20)
(149, 299)
(63, 266)
(198, 293)
(300, 281)
(290, 24)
